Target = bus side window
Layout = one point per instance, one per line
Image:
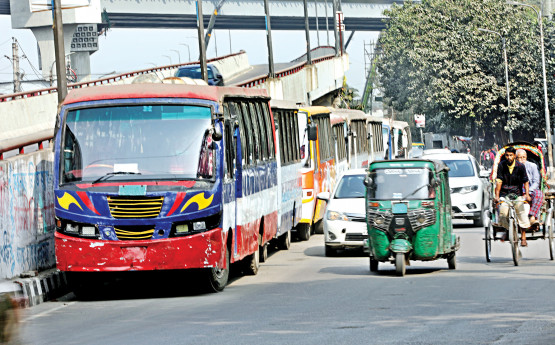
(256, 131)
(236, 111)
(250, 158)
(268, 117)
(261, 118)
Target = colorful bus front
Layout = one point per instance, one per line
(139, 181)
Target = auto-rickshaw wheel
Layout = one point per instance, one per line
(488, 239)
(452, 261)
(400, 265)
(513, 239)
(373, 265)
(550, 223)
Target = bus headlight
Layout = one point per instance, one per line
(181, 228)
(88, 231)
(198, 226)
(72, 228)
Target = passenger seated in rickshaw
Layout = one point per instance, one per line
(534, 179)
(512, 179)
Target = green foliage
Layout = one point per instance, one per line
(436, 62)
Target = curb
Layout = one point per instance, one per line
(47, 286)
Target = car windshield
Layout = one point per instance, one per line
(137, 142)
(350, 186)
(400, 183)
(460, 168)
(193, 72)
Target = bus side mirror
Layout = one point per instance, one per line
(312, 132)
(325, 196)
(368, 181)
(216, 133)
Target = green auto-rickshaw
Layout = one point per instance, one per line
(408, 213)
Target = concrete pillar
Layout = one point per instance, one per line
(81, 64)
(275, 88)
(45, 40)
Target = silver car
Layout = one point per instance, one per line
(345, 217)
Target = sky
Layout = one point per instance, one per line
(124, 50)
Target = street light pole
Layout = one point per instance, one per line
(546, 105)
(506, 80)
(188, 50)
(178, 54)
(170, 58)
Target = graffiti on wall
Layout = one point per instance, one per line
(26, 214)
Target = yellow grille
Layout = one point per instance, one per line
(131, 233)
(135, 207)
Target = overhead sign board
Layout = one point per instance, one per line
(46, 5)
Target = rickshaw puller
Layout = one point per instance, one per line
(513, 179)
(534, 189)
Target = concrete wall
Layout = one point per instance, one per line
(26, 214)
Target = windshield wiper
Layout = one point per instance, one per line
(417, 189)
(110, 174)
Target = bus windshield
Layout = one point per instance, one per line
(137, 142)
(401, 183)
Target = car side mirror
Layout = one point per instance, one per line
(435, 182)
(325, 196)
(312, 132)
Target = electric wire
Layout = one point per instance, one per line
(37, 73)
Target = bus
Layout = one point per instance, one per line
(164, 177)
(288, 150)
(396, 135)
(318, 166)
(363, 134)
(339, 129)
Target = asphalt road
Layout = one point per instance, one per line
(302, 297)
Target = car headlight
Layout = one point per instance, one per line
(332, 215)
(468, 189)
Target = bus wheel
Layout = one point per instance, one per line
(263, 252)
(304, 231)
(217, 277)
(285, 241)
(252, 263)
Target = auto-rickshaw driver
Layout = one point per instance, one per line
(512, 179)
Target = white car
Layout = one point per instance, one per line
(345, 217)
(470, 189)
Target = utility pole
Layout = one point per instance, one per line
(57, 27)
(201, 45)
(15, 64)
(307, 32)
(271, 73)
(335, 28)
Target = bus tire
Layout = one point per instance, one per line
(263, 252)
(319, 227)
(285, 241)
(218, 277)
(303, 231)
(252, 263)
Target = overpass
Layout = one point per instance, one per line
(359, 15)
(27, 123)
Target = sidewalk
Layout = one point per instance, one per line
(37, 288)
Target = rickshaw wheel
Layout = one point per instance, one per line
(452, 261)
(400, 267)
(513, 239)
(373, 265)
(550, 224)
(488, 239)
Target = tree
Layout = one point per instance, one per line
(435, 61)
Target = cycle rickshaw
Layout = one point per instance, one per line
(543, 230)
